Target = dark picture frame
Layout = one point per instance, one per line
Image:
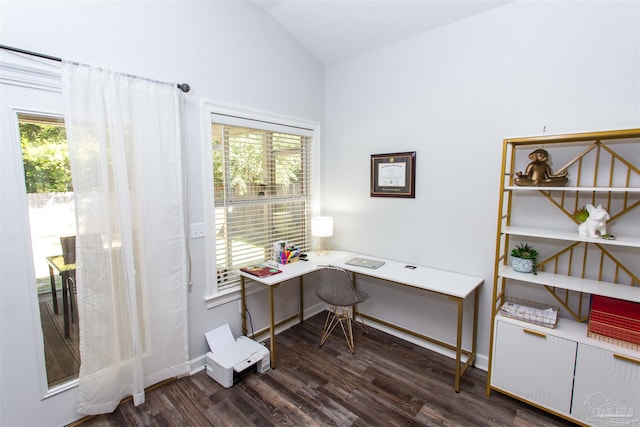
(393, 175)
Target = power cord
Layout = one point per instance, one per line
(250, 321)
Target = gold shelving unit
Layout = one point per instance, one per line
(602, 168)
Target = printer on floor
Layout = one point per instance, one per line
(231, 359)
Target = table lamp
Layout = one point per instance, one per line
(322, 227)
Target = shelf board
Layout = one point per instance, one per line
(578, 284)
(632, 242)
(580, 189)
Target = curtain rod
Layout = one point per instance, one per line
(182, 86)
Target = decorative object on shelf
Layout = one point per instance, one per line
(529, 311)
(525, 259)
(595, 224)
(538, 172)
(393, 175)
(322, 227)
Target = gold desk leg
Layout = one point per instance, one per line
(459, 345)
(272, 329)
(243, 306)
(475, 326)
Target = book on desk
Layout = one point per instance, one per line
(261, 270)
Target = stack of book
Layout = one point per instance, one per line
(615, 318)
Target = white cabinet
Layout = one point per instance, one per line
(534, 365)
(565, 372)
(562, 369)
(607, 387)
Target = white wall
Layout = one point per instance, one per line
(230, 52)
(452, 95)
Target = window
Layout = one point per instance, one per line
(262, 191)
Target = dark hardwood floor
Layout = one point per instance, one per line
(389, 382)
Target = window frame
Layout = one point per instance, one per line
(241, 116)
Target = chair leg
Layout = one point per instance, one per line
(329, 324)
(71, 285)
(348, 333)
(344, 317)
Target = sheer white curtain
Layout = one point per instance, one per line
(125, 150)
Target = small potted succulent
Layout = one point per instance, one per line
(581, 215)
(525, 259)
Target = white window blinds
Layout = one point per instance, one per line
(262, 182)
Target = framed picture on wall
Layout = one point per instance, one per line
(393, 175)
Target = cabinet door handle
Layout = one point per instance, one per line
(627, 358)
(536, 333)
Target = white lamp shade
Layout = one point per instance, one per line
(322, 226)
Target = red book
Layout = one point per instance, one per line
(615, 318)
(616, 307)
(261, 270)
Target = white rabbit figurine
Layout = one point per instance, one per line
(596, 224)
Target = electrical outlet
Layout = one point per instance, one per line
(197, 230)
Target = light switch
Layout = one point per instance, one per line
(197, 230)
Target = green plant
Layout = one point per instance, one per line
(581, 215)
(524, 251)
(45, 156)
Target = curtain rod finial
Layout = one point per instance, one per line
(184, 87)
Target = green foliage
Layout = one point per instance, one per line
(581, 215)
(45, 156)
(257, 161)
(524, 251)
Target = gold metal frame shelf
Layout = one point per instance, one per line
(601, 170)
(599, 174)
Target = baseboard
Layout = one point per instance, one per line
(197, 364)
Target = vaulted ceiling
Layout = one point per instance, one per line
(335, 30)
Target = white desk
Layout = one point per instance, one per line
(454, 285)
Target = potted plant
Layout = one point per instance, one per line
(581, 215)
(525, 259)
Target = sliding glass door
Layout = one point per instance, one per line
(51, 211)
(38, 316)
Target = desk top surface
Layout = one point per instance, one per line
(434, 280)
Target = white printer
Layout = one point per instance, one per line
(231, 359)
